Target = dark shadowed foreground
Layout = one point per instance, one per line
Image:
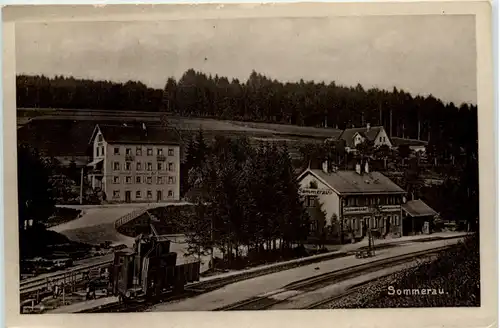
(451, 280)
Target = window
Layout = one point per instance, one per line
(138, 194)
(150, 166)
(116, 151)
(102, 151)
(97, 152)
(159, 167)
(170, 180)
(116, 166)
(150, 194)
(170, 193)
(170, 152)
(138, 166)
(128, 151)
(159, 180)
(380, 139)
(159, 151)
(99, 138)
(138, 151)
(149, 180)
(137, 179)
(313, 226)
(396, 220)
(150, 151)
(116, 179)
(127, 166)
(310, 200)
(170, 166)
(128, 179)
(116, 193)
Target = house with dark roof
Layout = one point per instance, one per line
(375, 134)
(414, 144)
(353, 201)
(135, 163)
(417, 217)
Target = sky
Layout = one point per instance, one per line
(431, 54)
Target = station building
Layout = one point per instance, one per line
(353, 202)
(135, 163)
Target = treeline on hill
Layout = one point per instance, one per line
(261, 99)
(247, 201)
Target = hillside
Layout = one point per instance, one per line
(46, 127)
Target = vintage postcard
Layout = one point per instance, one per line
(210, 160)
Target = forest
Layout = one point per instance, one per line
(261, 99)
(245, 197)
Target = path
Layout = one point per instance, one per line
(246, 289)
(96, 225)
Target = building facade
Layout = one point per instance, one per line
(135, 164)
(375, 134)
(353, 202)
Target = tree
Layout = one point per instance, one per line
(404, 152)
(365, 149)
(35, 198)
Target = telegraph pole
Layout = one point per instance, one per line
(81, 186)
(212, 242)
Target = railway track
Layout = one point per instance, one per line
(140, 306)
(348, 292)
(303, 286)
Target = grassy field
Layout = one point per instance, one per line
(178, 122)
(46, 127)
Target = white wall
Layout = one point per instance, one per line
(358, 139)
(329, 203)
(382, 139)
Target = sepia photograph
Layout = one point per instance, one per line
(248, 163)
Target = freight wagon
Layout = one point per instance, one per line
(150, 270)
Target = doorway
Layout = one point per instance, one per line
(159, 197)
(387, 225)
(128, 197)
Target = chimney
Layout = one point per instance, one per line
(325, 166)
(358, 168)
(367, 170)
(367, 127)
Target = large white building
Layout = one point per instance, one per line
(355, 201)
(135, 163)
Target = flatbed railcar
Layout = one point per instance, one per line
(150, 270)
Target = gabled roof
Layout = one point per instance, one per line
(136, 134)
(417, 208)
(410, 142)
(352, 183)
(367, 133)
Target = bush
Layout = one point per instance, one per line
(37, 241)
(456, 272)
(62, 215)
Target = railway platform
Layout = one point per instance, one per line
(259, 286)
(250, 288)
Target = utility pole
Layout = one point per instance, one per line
(390, 128)
(212, 242)
(418, 126)
(380, 113)
(81, 186)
